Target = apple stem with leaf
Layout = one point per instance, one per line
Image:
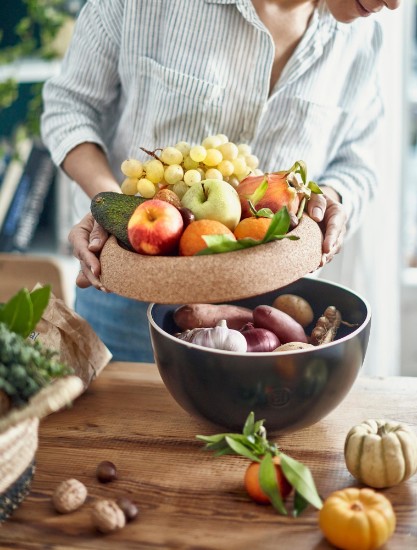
(253, 444)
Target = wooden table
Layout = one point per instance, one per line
(187, 498)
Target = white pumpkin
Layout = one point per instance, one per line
(381, 453)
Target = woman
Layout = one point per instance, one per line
(289, 77)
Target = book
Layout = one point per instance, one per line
(13, 175)
(5, 158)
(28, 202)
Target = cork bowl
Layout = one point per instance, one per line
(214, 278)
(290, 390)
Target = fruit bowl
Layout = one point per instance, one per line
(213, 278)
(290, 390)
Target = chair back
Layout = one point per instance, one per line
(24, 271)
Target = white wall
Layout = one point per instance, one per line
(370, 262)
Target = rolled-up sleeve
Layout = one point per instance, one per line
(76, 100)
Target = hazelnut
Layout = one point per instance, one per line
(106, 471)
(69, 495)
(168, 196)
(107, 516)
(129, 508)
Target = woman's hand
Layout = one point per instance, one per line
(87, 238)
(327, 210)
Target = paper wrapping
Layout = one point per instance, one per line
(72, 337)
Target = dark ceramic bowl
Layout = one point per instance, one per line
(290, 390)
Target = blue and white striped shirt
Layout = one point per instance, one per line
(154, 72)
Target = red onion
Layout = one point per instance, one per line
(259, 339)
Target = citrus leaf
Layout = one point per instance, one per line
(240, 449)
(212, 438)
(269, 484)
(279, 225)
(299, 475)
(249, 426)
(300, 504)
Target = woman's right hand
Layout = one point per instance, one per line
(87, 238)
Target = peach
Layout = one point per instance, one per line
(279, 193)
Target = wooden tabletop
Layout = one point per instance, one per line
(187, 498)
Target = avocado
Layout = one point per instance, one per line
(113, 210)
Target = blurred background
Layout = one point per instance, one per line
(379, 262)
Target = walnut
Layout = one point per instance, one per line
(107, 516)
(69, 495)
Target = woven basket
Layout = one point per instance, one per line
(19, 440)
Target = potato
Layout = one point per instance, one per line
(296, 307)
(293, 346)
(191, 316)
(285, 327)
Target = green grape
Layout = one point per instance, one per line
(180, 188)
(234, 181)
(226, 167)
(173, 174)
(146, 188)
(129, 186)
(244, 149)
(252, 161)
(229, 150)
(192, 176)
(183, 147)
(154, 170)
(132, 168)
(213, 174)
(190, 164)
(171, 155)
(258, 172)
(211, 142)
(198, 153)
(223, 138)
(239, 164)
(213, 157)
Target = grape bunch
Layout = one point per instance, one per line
(180, 166)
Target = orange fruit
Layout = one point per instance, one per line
(192, 241)
(253, 487)
(253, 227)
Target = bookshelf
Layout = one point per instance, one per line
(29, 72)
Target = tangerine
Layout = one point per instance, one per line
(253, 487)
(192, 241)
(252, 227)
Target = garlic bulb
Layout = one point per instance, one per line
(218, 337)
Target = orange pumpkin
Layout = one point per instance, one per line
(357, 519)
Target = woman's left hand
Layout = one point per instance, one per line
(327, 210)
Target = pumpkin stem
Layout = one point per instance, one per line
(356, 507)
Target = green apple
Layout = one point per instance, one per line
(214, 200)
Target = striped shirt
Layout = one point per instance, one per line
(154, 72)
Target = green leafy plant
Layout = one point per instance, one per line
(35, 33)
(253, 444)
(25, 367)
